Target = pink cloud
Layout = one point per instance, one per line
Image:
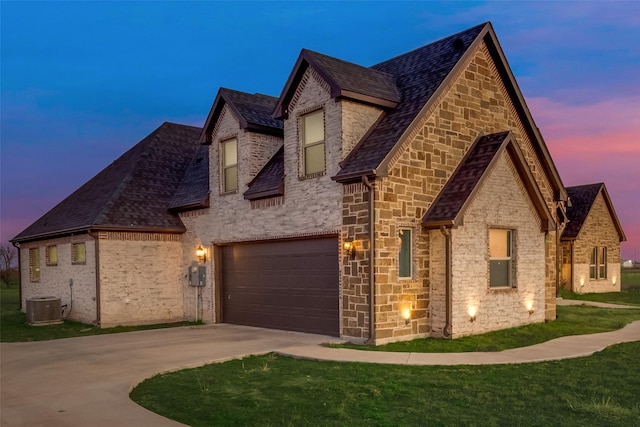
(598, 142)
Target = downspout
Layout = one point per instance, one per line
(17, 246)
(372, 294)
(446, 332)
(572, 272)
(97, 260)
(558, 264)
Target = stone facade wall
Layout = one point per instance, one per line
(599, 231)
(55, 280)
(475, 101)
(141, 277)
(501, 202)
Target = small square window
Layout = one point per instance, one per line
(313, 146)
(501, 265)
(79, 253)
(34, 264)
(52, 255)
(404, 255)
(229, 165)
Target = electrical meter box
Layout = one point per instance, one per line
(197, 275)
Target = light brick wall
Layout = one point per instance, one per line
(357, 119)
(502, 202)
(54, 280)
(597, 230)
(140, 278)
(197, 228)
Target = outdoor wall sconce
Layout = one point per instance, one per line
(614, 279)
(405, 312)
(201, 254)
(350, 249)
(472, 314)
(582, 281)
(530, 308)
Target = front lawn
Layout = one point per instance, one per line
(274, 390)
(13, 326)
(571, 320)
(625, 297)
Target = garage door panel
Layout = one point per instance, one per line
(290, 285)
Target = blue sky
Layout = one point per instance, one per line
(84, 81)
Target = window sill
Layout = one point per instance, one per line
(228, 193)
(503, 288)
(313, 175)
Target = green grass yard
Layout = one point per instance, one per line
(274, 390)
(13, 326)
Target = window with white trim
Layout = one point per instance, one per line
(79, 253)
(229, 165)
(404, 253)
(312, 142)
(501, 258)
(593, 263)
(52, 255)
(34, 264)
(602, 263)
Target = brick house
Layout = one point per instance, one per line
(412, 198)
(591, 241)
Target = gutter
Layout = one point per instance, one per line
(97, 261)
(446, 332)
(372, 294)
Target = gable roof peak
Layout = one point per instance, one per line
(253, 112)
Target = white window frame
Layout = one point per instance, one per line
(405, 249)
(224, 167)
(76, 257)
(51, 260)
(593, 264)
(602, 263)
(34, 264)
(305, 145)
(510, 259)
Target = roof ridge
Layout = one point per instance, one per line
(440, 40)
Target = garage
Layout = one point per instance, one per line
(282, 284)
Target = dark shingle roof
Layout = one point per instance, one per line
(270, 180)
(193, 191)
(253, 111)
(582, 198)
(454, 198)
(457, 191)
(350, 77)
(418, 74)
(133, 193)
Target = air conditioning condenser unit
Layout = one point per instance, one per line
(43, 311)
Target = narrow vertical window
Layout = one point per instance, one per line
(52, 255)
(501, 268)
(602, 264)
(312, 133)
(79, 253)
(404, 256)
(593, 264)
(229, 156)
(34, 264)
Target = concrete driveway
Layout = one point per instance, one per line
(86, 381)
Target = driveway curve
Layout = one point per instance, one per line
(86, 381)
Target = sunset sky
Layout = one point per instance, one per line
(82, 82)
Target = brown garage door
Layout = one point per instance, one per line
(291, 285)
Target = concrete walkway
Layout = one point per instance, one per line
(86, 381)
